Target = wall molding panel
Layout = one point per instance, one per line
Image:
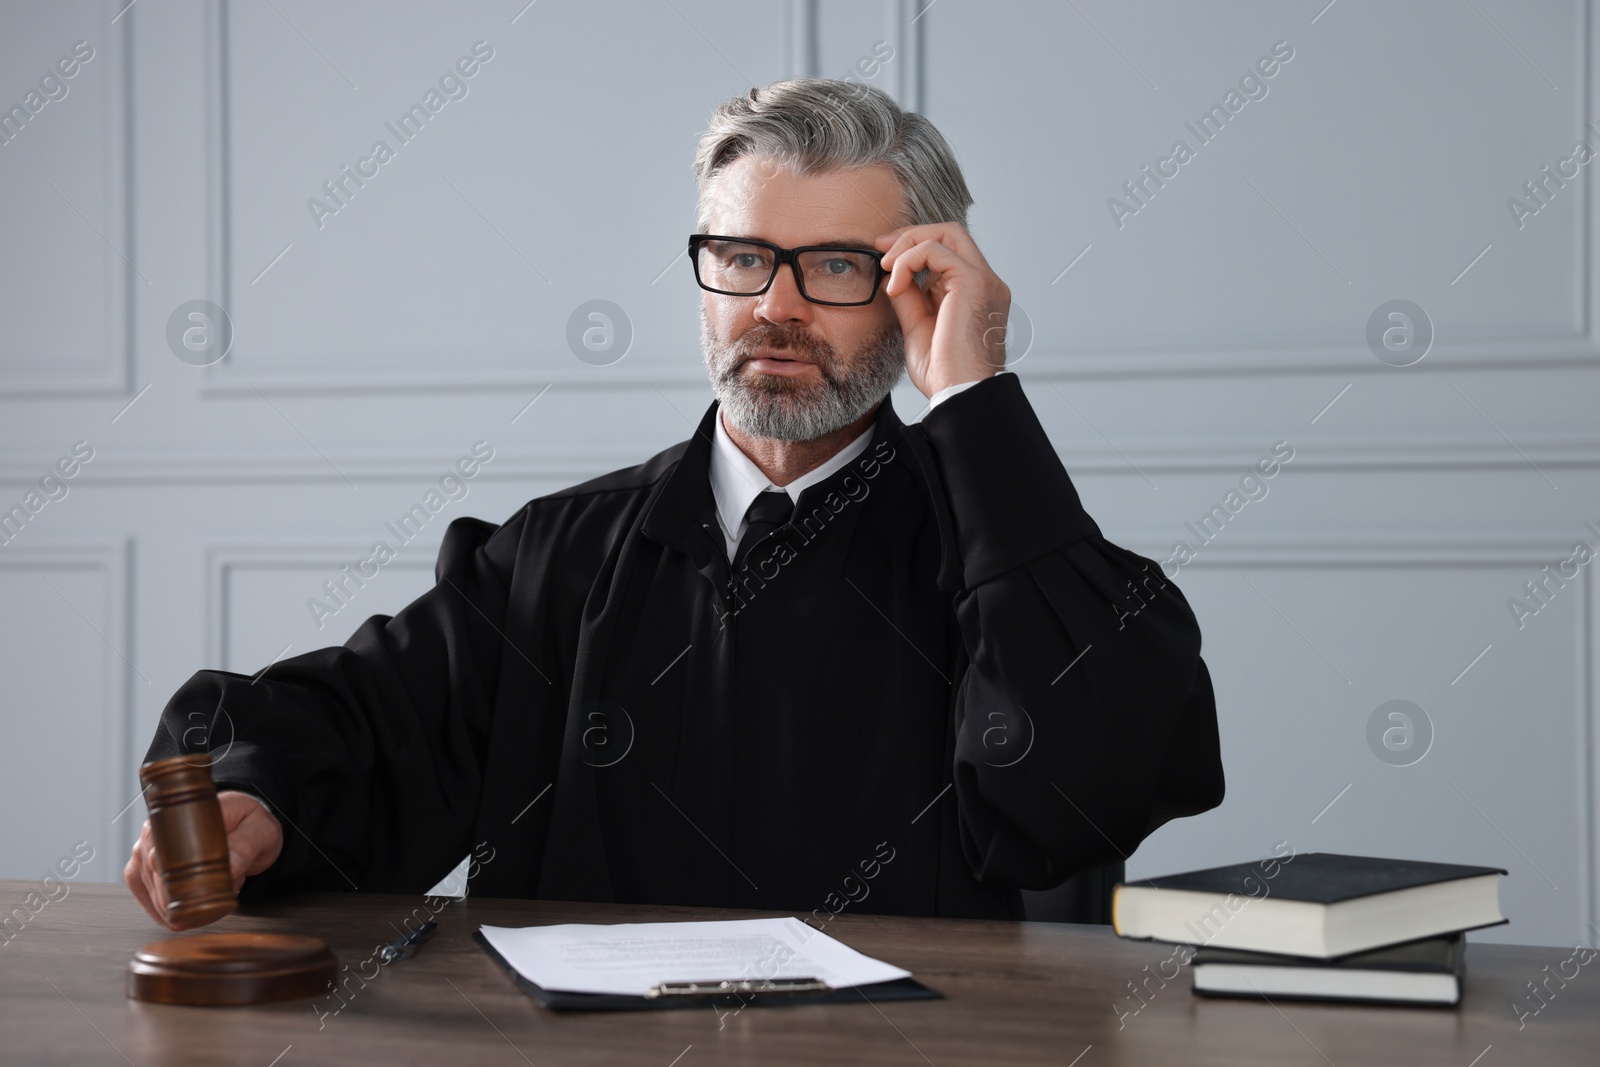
(115, 373)
(110, 641)
(224, 562)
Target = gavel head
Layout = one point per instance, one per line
(191, 842)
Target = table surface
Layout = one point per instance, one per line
(1015, 993)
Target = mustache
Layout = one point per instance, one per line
(776, 336)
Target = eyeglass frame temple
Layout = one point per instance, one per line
(789, 256)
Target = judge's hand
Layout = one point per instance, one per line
(955, 329)
(254, 840)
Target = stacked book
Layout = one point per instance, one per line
(1319, 926)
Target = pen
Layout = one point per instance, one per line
(407, 946)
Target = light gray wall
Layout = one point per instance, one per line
(1165, 355)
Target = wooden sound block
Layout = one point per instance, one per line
(231, 969)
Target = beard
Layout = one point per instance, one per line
(797, 408)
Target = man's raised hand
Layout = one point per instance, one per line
(955, 329)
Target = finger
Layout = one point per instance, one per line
(234, 814)
(147, 888)
(255, 837)
(133, 875)
(906, 238)
(928, 255)
(147, 845)
(913, 307)
(154, 879)
(899, 241)
(154, 891)
(236, 870)
(237, 806)
(953, 234)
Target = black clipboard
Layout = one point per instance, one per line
(555, 1000)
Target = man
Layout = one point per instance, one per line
(811, 657)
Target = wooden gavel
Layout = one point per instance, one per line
(191, 842)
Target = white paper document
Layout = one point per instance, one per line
(632, 958)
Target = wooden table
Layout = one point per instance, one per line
(1015, 993)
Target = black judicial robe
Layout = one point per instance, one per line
(937, 685)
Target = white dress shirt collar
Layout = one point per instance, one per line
(736, 480)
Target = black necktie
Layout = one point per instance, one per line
(768, 511)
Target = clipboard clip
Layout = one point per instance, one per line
(764, 986)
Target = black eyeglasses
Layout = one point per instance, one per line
(824, 274)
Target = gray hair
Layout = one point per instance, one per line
(821, 124)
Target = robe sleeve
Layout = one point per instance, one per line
(371, 753)
(1084, 716)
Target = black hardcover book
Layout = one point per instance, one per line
(1320, 904)
(1416, 972)
(1323, 877)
